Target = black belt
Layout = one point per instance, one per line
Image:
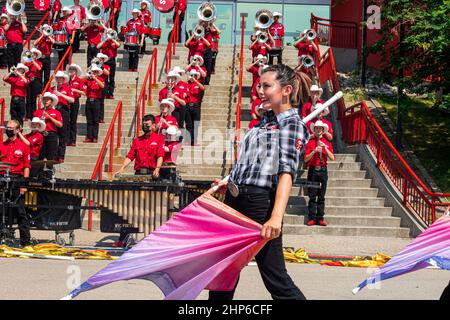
(318, 168)
(236, 190)
(144, 171)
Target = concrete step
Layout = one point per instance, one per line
(338, 201)
(343, 210)
(345, 192)
(350, 231)
(356, 221)
(342, 174)
(347, 183)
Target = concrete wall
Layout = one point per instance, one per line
(346, 59)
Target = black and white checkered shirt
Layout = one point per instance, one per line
(271, 149)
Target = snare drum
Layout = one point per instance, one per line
(131, 41)
(60, 37)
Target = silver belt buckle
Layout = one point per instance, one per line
(234, 190)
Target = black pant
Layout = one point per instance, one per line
(208, 58)
(213, 63)
(101, 110)
(316, 205)
(74, 108)
(116, 20)
(61, 49)
(33, 90)
(111, 81)
(276, 53)
(22, 217)
(446, 294)
(3, 58)
(133, 58)
(192, 117)
(179, 25)
(92, 52)
(143, 46)
(258, 206)
(63, 132)
(46, 67)
(179, 114)
(14, 53)
(92, 118)
(76, 42)
(17, 108)
(49, 148)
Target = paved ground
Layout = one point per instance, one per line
(47, 279)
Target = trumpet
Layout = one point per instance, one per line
(89, 73)
(13, 70)
(95, 10)
(27, 56)
(207, 12)
(97, 62)
(15, 7)
(310, 34)
(199, 31)
(170, 86)
(46, 30)
(261, 36)
(111, 34)
(263, 19)
(307, 61)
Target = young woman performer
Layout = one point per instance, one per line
(260, 183)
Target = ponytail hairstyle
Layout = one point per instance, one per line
(299, 81)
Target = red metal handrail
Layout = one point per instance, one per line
(117, 117)
(150, 79)
(342, 34)
(2, 118)
(239, 103)
(171, 46)
(360, 126)
(27, 42)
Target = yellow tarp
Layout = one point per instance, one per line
(300, 256)
(55, 250)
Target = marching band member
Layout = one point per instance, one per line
(109, 48)
(317, 151)
(79, 15)
(276, 30)
(327, 135)
(167, 125)
(165, 119)
(65, 99)
(19, 84)
(105, 75)
(193, 107)
(94, 31)
(215, 46)
(180, 9)
(146, 16)
(116, 7)
(44, 44)
(16, 152)
(172, 91)
(3, 55)
(78, 90)
(182, 85)
(137, 25)
(254, 93)
(53, 121)
(56, 9)
(304, 46)
(34, 140)
(15, 33)
(197, 64)
(63, 25)
(254, 68)
(316, 92)
(35, 86)
(260, 48)
(255, 113)
(146, 150)
(196, 46)
(94, 86)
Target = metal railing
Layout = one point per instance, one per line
(239, 102)
(27, 42)
(2, 118)
(117, 117)
(171, 46)
(335, 33)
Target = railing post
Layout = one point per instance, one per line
(90, 216)
(111, 150)
(2, 124)
(119, 126)
(433, 209)
(378, 153)
(405, 190)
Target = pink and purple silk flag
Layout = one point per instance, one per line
(204, 246)
(431, 248)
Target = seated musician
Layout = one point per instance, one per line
(147, 150)
(17, 153)
(34, 140)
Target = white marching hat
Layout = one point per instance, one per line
(146, 2)
(316, 88)
(76, 67)
(102, 56)
(51, 96)
(22, 66)
(194, 72)
(178, 70)
(319, 123)
(94, 68)
(276, 13)
(37, 52)
(262, 57)
(62, 74)
(4, 15)
(66, 9)
(260, 70)
(41, 123)
(173, 74)
(200, 58)
(325, 111)
(136, 11)
(172, 130)
(168, 102)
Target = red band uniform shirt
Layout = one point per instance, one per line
(146, 150)
(15, 152)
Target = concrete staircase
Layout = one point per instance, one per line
(353, 207)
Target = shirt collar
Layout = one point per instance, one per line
(286, 114)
